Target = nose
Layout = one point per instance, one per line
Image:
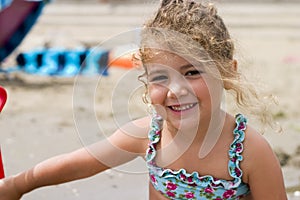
(177, 88)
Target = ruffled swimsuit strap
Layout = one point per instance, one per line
(236, 149)
(154, 138)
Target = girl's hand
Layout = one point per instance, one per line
(8, 190)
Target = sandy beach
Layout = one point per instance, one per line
(47, 116)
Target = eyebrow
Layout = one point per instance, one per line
(156, 71)
(183, 67)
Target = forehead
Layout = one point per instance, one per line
(161, 59)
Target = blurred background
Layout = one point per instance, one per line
(42, 118)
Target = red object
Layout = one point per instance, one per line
(1, 167)
(3, 97)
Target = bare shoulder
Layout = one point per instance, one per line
(257, 150)
(260, 166)
(133, 136)
(256, 145)
(255, 142)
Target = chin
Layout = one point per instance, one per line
(184, 122)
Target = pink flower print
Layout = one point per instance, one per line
(214, 185)
(218, 198)
(171, 186)
(241, 126)
(190, 179)
(238, 147)
(233, 159)
(182, 177)
(209, 190)
(170, 194)
(189, 195)
(150, 151)
(228, 194)
(237, 171)
(153, 179)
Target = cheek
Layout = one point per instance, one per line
(157, 94)
(210, 92)
(201, 90)
(204, 95)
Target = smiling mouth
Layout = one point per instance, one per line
(180, 108)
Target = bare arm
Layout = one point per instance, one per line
(264, 173)
(85, 162)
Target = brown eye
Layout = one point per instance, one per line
(193, 73)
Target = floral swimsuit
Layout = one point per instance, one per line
(183, 185)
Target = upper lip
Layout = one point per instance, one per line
(181, 105)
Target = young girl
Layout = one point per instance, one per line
(193, 148)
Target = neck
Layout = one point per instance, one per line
(206, 125)
(177, 141)
(212, 133)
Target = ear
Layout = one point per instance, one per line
(234, 68)
(234, 65)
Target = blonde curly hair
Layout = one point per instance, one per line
(195, 31)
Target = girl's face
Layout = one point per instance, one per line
(182, 93)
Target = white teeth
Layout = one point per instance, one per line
(182, 108)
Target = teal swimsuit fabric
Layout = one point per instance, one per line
(183, 185)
